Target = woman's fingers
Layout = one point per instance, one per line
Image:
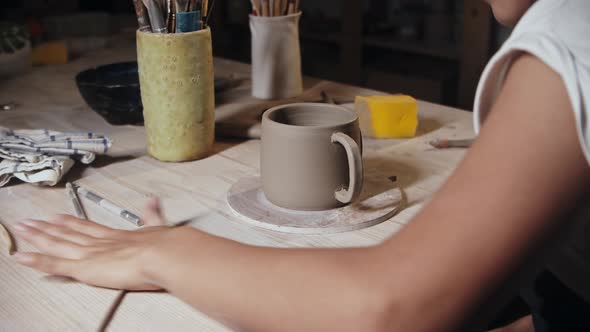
(49, 244)
(62, 232)
(83, 226)
(48, 264)
(152, 214)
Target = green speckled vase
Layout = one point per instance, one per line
(176, 82)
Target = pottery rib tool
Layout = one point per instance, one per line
(75, 201)
(449, 143)
(7, 239)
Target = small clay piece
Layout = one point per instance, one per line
(7, 240)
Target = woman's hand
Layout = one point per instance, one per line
(92, 253)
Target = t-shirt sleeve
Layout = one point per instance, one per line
(556, 54)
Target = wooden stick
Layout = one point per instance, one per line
(112, 310)
(297, 4)
(284, 5)
(265, 8)
(277, 8)
(271, 7)
(204, 10)
(254, 7)
(291, 7)
(447, 143)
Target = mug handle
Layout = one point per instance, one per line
(355, 168)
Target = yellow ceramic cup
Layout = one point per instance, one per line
(177, 93)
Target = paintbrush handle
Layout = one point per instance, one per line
(142, 17)
(156, 16)
(205, 9)
(265, 8)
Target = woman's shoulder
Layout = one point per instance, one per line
(567, 20)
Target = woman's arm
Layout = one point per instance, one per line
(525, 169)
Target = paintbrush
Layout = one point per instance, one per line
(182, 5)
(156, 16)
(450, 143)
(171, 19)
(205, 11)
(142, 17)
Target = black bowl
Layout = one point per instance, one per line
(113, 92)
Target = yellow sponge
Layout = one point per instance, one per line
(50, 53)
(394, 116)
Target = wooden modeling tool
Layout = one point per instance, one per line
(284, 5)
(449, 143)
(291, 7)
(296, 9)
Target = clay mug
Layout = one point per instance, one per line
(311, 156)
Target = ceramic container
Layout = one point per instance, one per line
(176, 83)
(276, 57)
(311, 156)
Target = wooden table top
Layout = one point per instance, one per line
(48, 98)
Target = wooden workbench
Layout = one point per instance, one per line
(48, 98)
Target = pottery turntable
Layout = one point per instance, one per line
(380, 200)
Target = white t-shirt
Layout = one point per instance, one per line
(558, 33)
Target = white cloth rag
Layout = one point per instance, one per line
(43, 157)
